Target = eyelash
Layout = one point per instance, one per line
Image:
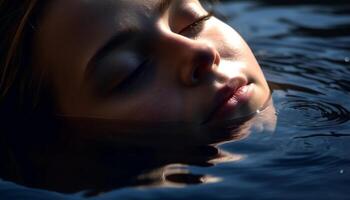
(196, 26)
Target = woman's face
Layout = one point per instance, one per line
(147, 60)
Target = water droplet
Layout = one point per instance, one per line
(347, 59)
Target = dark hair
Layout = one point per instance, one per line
(23, 124)
(16, 77)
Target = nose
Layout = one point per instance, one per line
(193, 59)
(204, 59)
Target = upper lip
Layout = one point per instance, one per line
(225, 93)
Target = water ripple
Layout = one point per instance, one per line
(306, 159)
(312, 115)
(331, 134)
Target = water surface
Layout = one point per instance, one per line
(304, 49)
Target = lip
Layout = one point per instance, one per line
(236, 92)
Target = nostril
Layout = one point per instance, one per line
(195, 75)
(200, 72)
(203, 63)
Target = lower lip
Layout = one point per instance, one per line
(241, 96)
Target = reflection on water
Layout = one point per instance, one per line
(304, 48)
(99, 155)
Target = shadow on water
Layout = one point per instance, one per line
(101, 159)
(96, 155)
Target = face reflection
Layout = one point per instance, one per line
(147, 60)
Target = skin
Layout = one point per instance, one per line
(185, 66)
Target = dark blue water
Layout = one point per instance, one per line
(304, 49)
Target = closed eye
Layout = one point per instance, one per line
(196, 27)
(126, 83)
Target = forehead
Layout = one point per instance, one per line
(123, 7)
(116, 12)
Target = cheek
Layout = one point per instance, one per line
(159, 108)
(226, 40)
(231, 45)
(236, 55)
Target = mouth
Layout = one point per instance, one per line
(229, 98)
